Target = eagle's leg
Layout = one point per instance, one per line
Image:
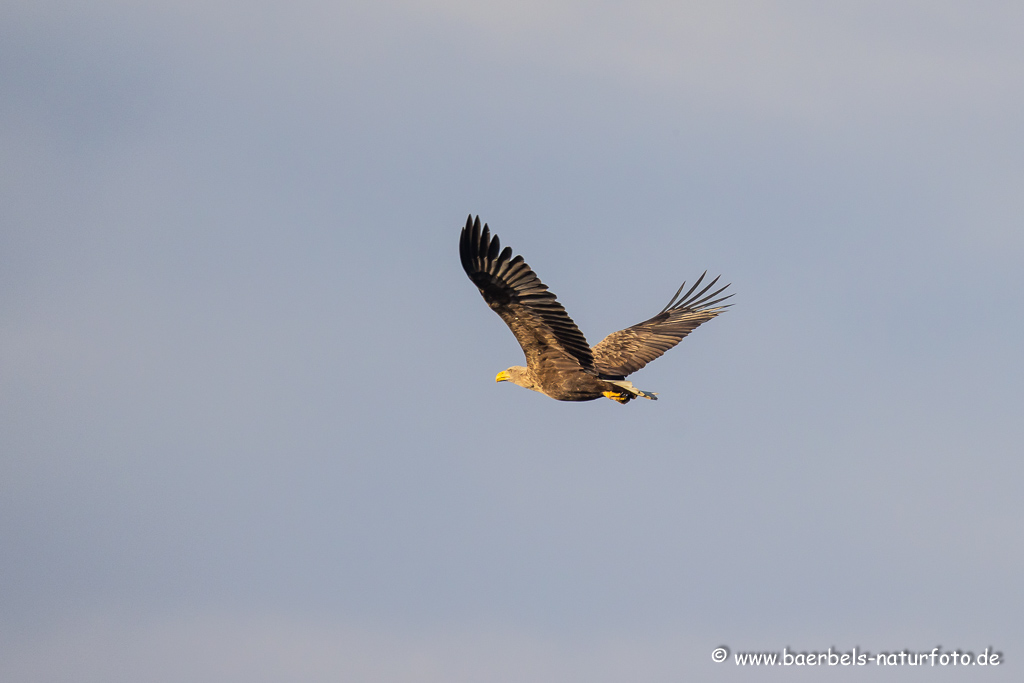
(618, 396)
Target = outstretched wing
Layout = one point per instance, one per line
(628, 350)
(547, 334)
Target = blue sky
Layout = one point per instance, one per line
(249, 428)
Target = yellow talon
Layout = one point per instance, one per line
(616, 396)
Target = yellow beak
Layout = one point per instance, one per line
(503, 376)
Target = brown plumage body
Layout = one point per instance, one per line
(559, 362)
(572, 384)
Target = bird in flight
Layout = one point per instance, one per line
(559, 362)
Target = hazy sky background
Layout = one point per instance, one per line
(249, 429)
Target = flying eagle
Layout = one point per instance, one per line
(559, 362)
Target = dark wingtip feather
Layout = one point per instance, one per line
(676, 301)
(699, 301)
(469, 245)
(495, 248)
